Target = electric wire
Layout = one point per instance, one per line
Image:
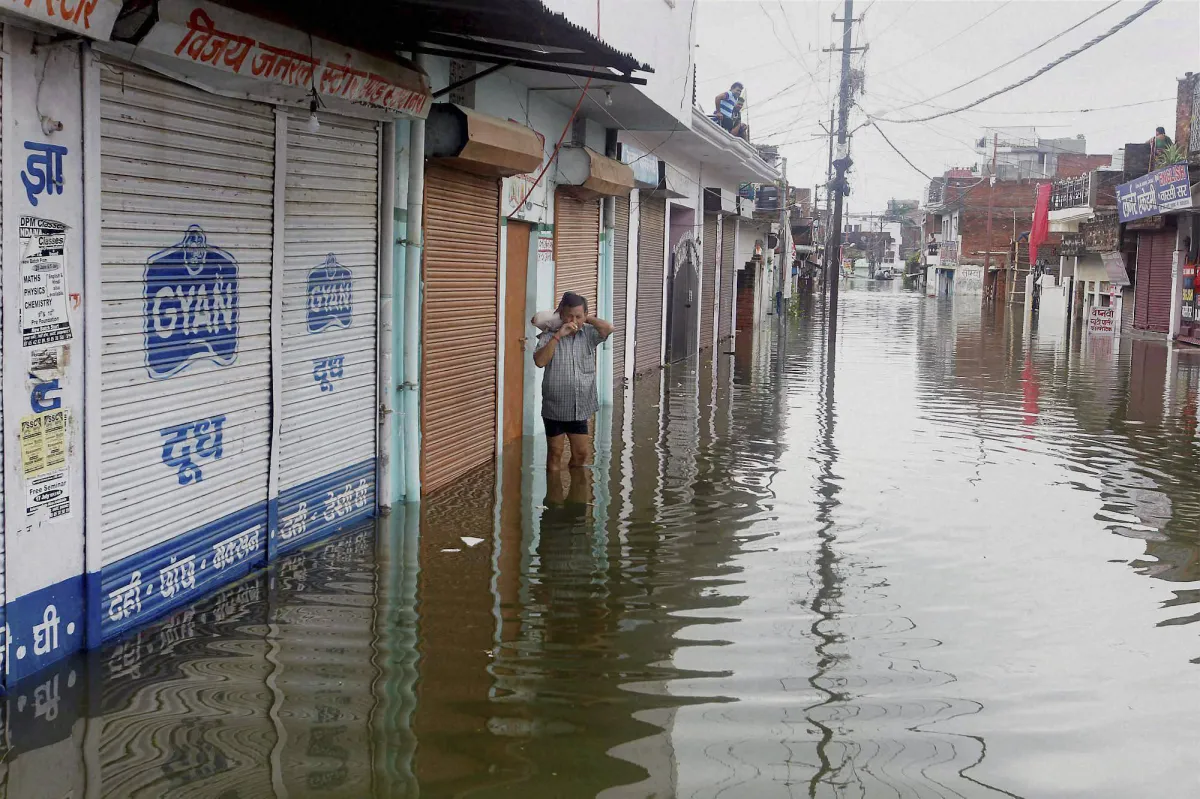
(1013, 60)
(1061, 59)
(902, 155)
(950, 38)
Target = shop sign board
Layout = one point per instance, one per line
(227, 50)
(91, 18)
(1102, 321)
(1162, 190)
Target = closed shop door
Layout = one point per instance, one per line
(576, 247)
(652, 244)
(1152, 304)
(728, 270)
(708, 281)
(186, 243)
(620, 289)
(1162, 252)
(458, 336)
(328, 417)
(745, 299)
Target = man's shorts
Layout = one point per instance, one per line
(554, 429)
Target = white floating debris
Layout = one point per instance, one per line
(452, 550)
(470, 540)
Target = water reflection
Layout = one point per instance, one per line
(955, 556)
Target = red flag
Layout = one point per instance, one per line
(1041, 221)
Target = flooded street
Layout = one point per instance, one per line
(965, 567)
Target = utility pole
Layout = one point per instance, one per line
(785, 265)
(842, 163)
(828, 204)
(987, 254)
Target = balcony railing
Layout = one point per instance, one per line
(936, 194)
(1072, 192)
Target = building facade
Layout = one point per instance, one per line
(265, 283)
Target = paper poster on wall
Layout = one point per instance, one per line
(51, 492)
(43, 248)
(545, 250)
(44, 442)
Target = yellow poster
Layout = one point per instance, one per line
(44, 442)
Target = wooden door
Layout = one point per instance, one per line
(516, 323)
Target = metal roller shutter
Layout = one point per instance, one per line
(728, 270)
(1141, 302)
(576, 247)
(620, 287)
(1161, 255)
(331, 261)
(1152, 303)
(708, 281)
(652, 246)
(187, 194)
(459, 338)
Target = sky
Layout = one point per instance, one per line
(920, 48)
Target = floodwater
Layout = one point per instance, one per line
(966, 566)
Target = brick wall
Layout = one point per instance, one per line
(1010, 196)
(1072, 165)
(1184, 112)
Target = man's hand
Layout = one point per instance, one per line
(604, 328)
(567, 329)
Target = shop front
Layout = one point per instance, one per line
(240, 262)
(469, 153)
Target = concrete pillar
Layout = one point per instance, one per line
(1176, 294)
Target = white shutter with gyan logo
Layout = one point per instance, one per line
(331, 261)
(186, 261)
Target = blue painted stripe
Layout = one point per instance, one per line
(191, 565)
(45, 626)
(315, 509)
(179, 570)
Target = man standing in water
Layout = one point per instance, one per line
(568, 356)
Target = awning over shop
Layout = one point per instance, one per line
(466, 139)
(592, 175)
(523, 34)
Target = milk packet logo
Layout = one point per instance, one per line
(330, 296)
(191, 299)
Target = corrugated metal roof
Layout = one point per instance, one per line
(511, 28)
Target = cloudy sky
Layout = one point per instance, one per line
(919, 49)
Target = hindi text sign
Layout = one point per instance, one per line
(1101, 321)
(1162, 190)
(295, 63)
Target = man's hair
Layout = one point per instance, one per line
(572, 300)
(736, 85)
(1161, 130)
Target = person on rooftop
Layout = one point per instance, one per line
(1161, 140)
(729, 110)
